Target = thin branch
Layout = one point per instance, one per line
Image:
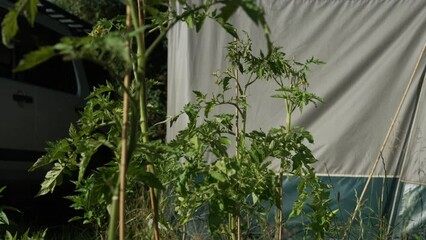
(124, 144)
(178, 18)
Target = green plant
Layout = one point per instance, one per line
(39, 235)
(92, 11)
(238, 189)
(4, 220)
(238, 185)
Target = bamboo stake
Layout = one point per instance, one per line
(143, 111)
(373, 169)
(124, 157)
(237, 138)
(421, 95)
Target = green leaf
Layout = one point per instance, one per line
(75, 218)
(229, 28)
(225, 83)
(228, 10)
(151, 180)
(189, 22)
(9, 236)
(9, 27)
(253, 10)
(30, 11)
(35, 58)
(86, 156)
(199, 22)
(225, 140)
(208, 109)
(10, 21)
(215, 218)
(199, 95)
(55, 151)
(3, 218)
(255, 198)
(2, 189)
(218, 176)
(195, 142)
(52, 179)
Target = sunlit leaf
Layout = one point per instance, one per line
(52, 179)
(225, 140)
(218, 176)
(35, 58)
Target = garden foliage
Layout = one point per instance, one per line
(214, 170)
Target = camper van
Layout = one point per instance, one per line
(37, 105)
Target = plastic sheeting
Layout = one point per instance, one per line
(370, 48)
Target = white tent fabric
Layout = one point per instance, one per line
(370, 47)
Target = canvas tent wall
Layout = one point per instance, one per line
(371, 49)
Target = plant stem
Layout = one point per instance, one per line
(288, 109)
(124, 157)
(238, 135)
(280, 227)
(123, 163)
(113, 214)
(141, 78)
(231, 225)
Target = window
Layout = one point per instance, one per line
(54, 74)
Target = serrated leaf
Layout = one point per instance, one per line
(35, 58)
(3, 218)
(225, 83)
(30, 11)
(208, 109)
(199, 95)
(52, 179)
(9, 27)
(55, 152)
(86, 157)
(199, 22)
